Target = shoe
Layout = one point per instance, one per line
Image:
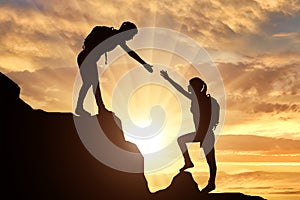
(210, 187)
(186, 166)
(81, 112)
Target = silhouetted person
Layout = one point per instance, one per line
(88, 67)
(205, 110)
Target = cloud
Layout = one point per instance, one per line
(284, 6)
(268, 83)
(286, 192)
(57, 26)
(252, 188)
(47, 33)
(237, 26)
(18, 3)
(292, 35)
(30, 43)
(264, 145)
(46, 88)
(3, 70)
(277, 108)
(277, 59)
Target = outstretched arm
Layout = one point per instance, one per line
(136, 57)
(175, 85)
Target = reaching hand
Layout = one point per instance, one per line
(164, 74)
(148, 67)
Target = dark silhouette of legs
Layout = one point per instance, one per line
(89, 76)
(211, 161)
(82, 93)
(209, 150)
(182, 140)
(99, 101)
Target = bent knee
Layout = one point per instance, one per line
(181, 140)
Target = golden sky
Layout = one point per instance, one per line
(254, 43)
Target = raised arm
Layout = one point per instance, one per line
(136, 57)
(174, 84)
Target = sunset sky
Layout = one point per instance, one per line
(255, 44)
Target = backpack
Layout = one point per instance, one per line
(96, 36)
(215, 112)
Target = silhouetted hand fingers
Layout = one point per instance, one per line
(164, 74)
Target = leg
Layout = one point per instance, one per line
(182, 140)
(82, 93)
(211, 161)
(89, 76)
(86, 84)
(99, 100)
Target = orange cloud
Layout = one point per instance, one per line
(263, 145)
(295, 36)
(47, 89)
